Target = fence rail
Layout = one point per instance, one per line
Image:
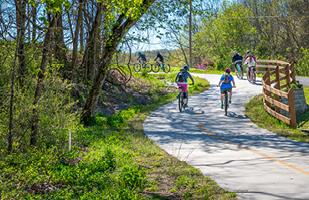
(284, 75)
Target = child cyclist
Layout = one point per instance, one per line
(181, 80)
(225, 85)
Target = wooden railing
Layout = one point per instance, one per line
(284, 76)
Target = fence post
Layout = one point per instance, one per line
(267, 82)
(277, 86)
(292, 108)
(257, 68)
(292, 72)
(287, 75)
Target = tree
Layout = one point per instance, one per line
(125, 14)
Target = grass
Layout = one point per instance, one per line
(255, 111)
(113, 159)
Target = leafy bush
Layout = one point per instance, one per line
(132, 177)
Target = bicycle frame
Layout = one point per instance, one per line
(160, 64)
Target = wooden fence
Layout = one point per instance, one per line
(284, 74)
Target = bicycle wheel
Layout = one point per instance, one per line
(180, 101)
(237, 74)
(253, 78)
(155, 68)
(242, 74)
(166, 68)
(226, 102)
(137, 67)
(147, 67)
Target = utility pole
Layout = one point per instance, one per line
(190, 33)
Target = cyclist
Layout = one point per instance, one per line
(250, 62)
(181, 80)
(225, 85)
(143, 58)
(237, 59)
(248, 54)
(161, 59)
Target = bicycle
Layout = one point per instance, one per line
(137, 67)
(181, 101)
(226, 101)
(251, 76)
(165, 67)
(239, 71)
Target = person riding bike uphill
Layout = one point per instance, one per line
(181, 80)
(250, 62)
(161, 59)
(225, 85)
(142, 57)
(248, 54)
(237, 59)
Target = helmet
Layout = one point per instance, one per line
(235, 51)
(228, 70)
(139, 53)
(157, 52)
(186, 67)
(248, 51)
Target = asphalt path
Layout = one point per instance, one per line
(233, 151)
(303, 80)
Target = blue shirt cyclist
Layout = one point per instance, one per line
(225, 85)
(141, 56)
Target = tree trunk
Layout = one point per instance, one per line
(60, 48)
(33, 15)
(89, 59)
(39, 87)
(119, 30)
(20, 21)
(75, 39)
(81, 39)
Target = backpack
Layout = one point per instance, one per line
(226, 78)
(143, 56)
(181, 77)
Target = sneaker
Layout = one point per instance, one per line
(221, 106)
(185, 105)
(178, 96)
(230, 101)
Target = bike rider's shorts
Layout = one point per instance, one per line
(239, 62)
(223, 90)
(184, 86)
(252, 67)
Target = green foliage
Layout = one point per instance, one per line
(117, 120)
(132, 177)
(221, 35)
(302, 65)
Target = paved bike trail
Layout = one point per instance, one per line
(233, 151)
(303, 80)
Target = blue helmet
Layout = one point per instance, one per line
(139, 53)
(186, 67)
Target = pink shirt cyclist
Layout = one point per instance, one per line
(181, 80)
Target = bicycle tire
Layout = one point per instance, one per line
(147, 68)
(180, 100)
(166, 68)
(225, 103)
(254, 78)
(137, 67)
(242, 74)
(237, 74)
(155, 68)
